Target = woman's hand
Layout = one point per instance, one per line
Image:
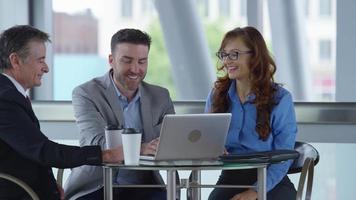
(247, 195)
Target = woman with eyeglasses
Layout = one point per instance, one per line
(263, 116)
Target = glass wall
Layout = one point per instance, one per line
(78, 60)
(81, 41)
(320, 28)
(82, 33)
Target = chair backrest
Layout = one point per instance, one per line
(22, 184)
(305, 151)
(308, 158)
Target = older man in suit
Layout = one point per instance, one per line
(25, 152)
(120, 97)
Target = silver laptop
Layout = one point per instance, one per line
(191, 137)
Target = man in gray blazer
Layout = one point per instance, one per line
(120, 97)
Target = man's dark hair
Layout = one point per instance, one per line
(16, 40)
(133, 36)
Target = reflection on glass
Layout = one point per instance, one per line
(82, 33)
(83, 28)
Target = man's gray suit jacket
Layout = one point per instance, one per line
(95, 105)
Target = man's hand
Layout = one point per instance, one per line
(114, 155)
(247, 195)
(149, 148)
(61, 192)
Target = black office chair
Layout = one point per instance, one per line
(304, 164)
(22, 184)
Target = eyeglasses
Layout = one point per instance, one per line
(233, 55)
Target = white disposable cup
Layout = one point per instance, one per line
(131, 141)
(113, 136)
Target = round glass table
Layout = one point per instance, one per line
(171, 167)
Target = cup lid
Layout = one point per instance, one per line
(113, 127)
(131, 131)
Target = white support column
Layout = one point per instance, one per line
(255, 14)
(42, 15)
(193, 71)
(289, 47)
(12, 13)
(345, 79)
(345, 50)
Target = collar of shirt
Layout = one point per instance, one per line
(131, 110)
(17, 85)
(234, 96)
(122, 98)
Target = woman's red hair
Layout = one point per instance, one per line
(262, 68)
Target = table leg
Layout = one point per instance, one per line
(261, 183)
(171, 184)
(107, 183)
(196, 180)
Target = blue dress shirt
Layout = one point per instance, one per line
(243, 138)
(132, 119)
(131, 110)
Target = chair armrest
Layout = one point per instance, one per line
(22, 184)
(308, 169)
(281, 155)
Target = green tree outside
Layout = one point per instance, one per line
(159, 70)
(159, 66)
